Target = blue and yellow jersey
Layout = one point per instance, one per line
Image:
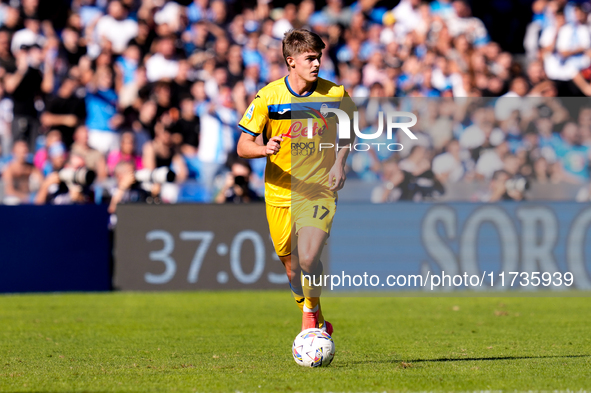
(300, 168)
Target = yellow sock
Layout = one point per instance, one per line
(299, 300)
(311, 290)
(298, 296)
(311, 303)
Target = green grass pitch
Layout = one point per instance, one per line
(241, 341)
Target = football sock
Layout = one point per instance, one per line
(312, 288)
(298, 296)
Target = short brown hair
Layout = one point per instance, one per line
(297, 41)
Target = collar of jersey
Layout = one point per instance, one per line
(296, 94)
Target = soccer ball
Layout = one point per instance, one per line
(313, 348)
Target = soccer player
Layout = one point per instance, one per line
(301, 179)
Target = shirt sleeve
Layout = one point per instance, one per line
(256, 117)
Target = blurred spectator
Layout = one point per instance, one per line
(27, 37)
(236, 189)
(417, 161)
(285, 23)
(513, 100)
(333, 13)
(572, 154)
(7, 62)
(115, 27)
(492, 160)
(130, 92)
(563, 45)
(172, 80)
(252, 56)
(170, 16)
(188, 127)
(57, 156)
(144, 38)
(25, 85)
(374, 71)
(127, 189)
(102, 118)
(402, 185)
(407, 15)
(57, 191)
(41, 158)
(126, 66)
(422, 183)
(143, 126)
(217, 137)
(465, 23)
(197, 10)
(126, 153)
(508, 187)
(163, 65)
(21, 178)
(65, 110)
(541, 171)
(497, 187)
(442, 8)
(395, 184)
(161, 153)
(93, 159)
(72, 46)
(478, 135)
(453, 165)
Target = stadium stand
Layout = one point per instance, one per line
(162, 84)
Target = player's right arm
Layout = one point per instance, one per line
(248, 148)
(253, 123)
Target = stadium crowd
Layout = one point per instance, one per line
(126, 85)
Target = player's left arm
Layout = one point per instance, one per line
(337, 175)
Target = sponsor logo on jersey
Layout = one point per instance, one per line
(302, 148)
(318, 116)
(300, 129)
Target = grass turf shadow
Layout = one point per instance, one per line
(492, 358)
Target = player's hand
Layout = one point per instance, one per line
(273, 146)
(336, 177)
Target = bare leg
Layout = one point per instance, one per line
(292, 269)
(311, 241)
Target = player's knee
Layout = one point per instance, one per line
(308, 262)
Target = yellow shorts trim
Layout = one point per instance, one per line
(284, 219)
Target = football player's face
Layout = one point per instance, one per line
(307, 65)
